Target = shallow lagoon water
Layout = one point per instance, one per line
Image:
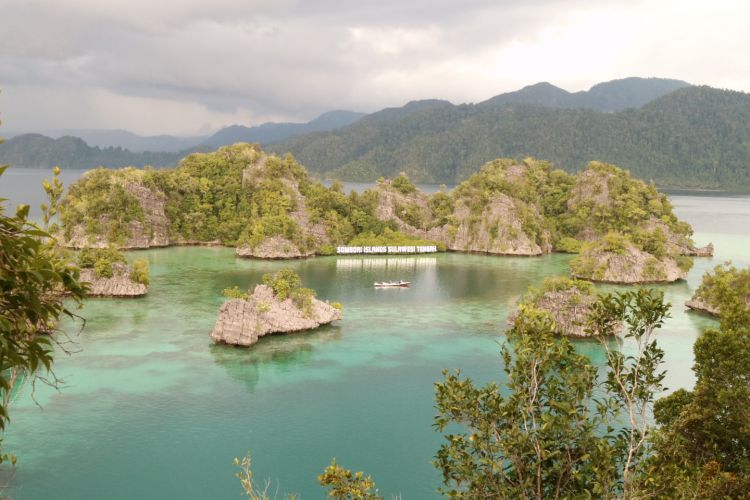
(151, 409)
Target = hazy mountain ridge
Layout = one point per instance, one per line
(267, 133)
(114, 138)
(67, 151)
(36, 150)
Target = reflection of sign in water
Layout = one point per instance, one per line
(386, 263)
(386, 249)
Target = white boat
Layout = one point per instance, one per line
(392, 284)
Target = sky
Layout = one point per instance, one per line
(188, 67)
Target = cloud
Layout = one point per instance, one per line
(176, 66)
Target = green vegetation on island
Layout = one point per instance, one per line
(567, 302)
(269, 207)
(528, 208)
(280, 304)
(236, 196)
(106, 262)
(725, 283)
(285, 284)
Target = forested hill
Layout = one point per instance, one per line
(692, 137)
(615, 95)
(35, 150)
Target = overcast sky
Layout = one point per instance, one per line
(191, 66)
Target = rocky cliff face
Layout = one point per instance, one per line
(699, 304)
(497, 228)
(278, 247)
(242, 322)
(706, 251)
(119, 285)
(626, 265)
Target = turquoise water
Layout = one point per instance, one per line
(151, 409)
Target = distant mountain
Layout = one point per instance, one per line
(688, 137)
(128, 140)
(108, 147)
(268, 133)
(691, 137)
(615, 95)
(36, 150)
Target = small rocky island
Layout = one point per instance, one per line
(567, 301)
(725, 284)
(108, 274)
(617, 259)
(278, 305)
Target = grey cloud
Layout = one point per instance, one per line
(267, 58)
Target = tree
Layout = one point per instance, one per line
(35, 278)
(541, 440)
(545, 434)
(344, 484)
(702, 445)
(54, 192)
(632, 381)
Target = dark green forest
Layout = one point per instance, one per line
(694, 137)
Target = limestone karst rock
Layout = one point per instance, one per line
(243, 321)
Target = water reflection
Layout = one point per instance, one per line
(283, 352)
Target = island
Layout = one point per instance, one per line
(725, 285)
(268, 207)
(567, 302)
(279, 305)
(108, 274)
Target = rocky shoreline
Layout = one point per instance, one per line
(119, 284)
(699, 305)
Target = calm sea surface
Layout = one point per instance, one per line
(151, 409)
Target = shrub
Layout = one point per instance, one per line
(235, 293)
(388, 237)
(101, 260)
(568, 245)
(88, 257)
(403, 185)
(684, 262)
(283, 283)
(326, 250)
(140, 272)
(303, 298)
(103, 269)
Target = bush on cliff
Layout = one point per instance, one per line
(286, 284)
(101, 203)
(101, 260)
(140, 272)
